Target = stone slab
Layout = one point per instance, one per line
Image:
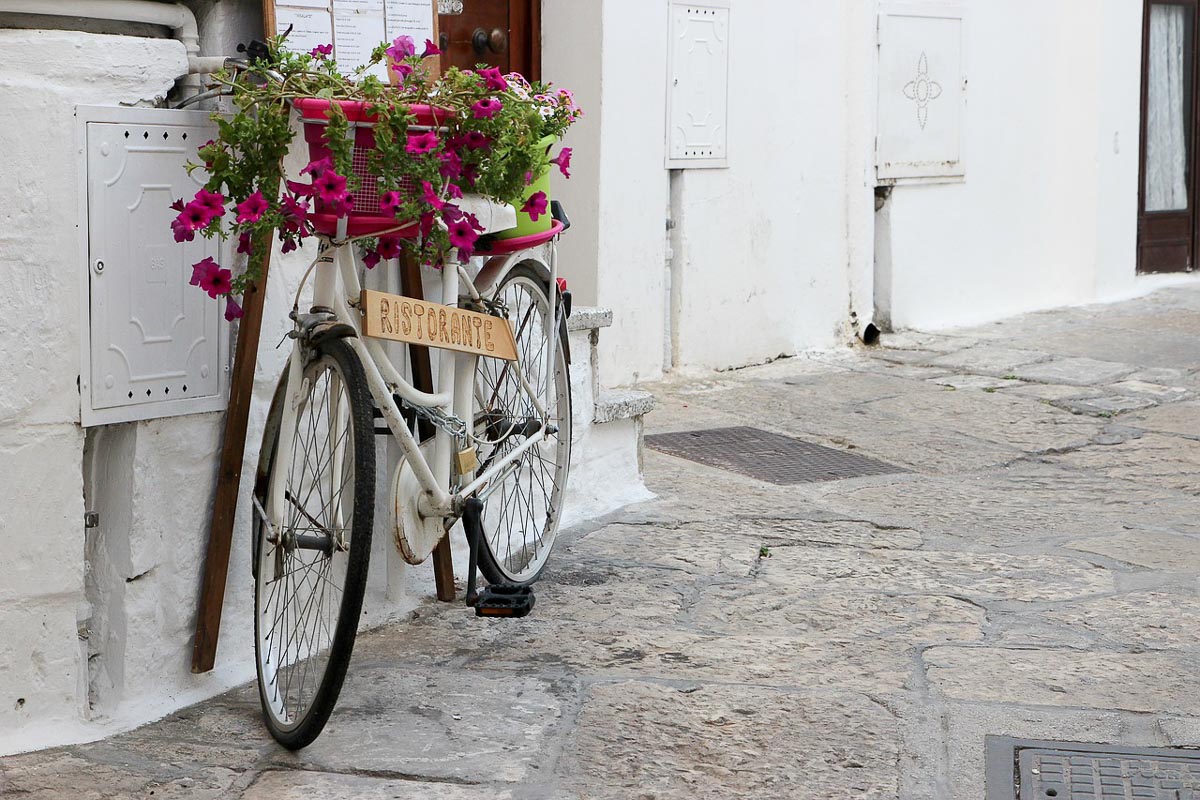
(990, 359)
(838, 614)
(977, 576)
(1163, 394)
(1143, 620)
(1053, 391)
(983, 382)
(1168, 552)
(304, 785)
(1138, 682)
(1180, 418)
(437, 724)
(1075, 371)
(1104, 406)
(637, 740)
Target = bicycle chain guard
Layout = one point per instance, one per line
(415, 536)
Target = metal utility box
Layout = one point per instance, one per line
(698, 84)
(922, 92)
(153, 346)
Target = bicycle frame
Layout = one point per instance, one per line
(336, 290)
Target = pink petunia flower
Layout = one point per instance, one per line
(211, 277)
(563, 160)
(295, 215)
(245, 243)
(403, 70)
(232, 310)
(300, 189)
(430, 196)
(402, 47)
(535, 206)
(474, 140)
(370, 259)
(212, 202)
(389, 247)
(420, 143)
(330, 187)
(252, 208)
(318, 167)
(487, 108)
(453, 191)
(452, 165)
(390, 202)
(462, 235)
(427, 219)
(431, 49)
(184, 232)
(493, 79)
(321, 51)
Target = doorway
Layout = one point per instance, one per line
(499, 33)
(1167, 193)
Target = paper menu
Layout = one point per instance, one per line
(410, 18)
(354, 27)
(311, 26)
(358, 28)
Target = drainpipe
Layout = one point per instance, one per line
(178, 18)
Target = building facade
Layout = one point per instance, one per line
(753, 179)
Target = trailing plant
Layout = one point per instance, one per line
(488, 141)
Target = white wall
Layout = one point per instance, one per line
(43, 607)
(761, 254)
(1047, 215)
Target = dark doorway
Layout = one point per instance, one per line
(499, 33)
(1167, 193)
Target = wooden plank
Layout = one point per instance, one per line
(422, 375)
(229, 474)
(399, 318)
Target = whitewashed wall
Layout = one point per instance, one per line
(1047, 214)
(758, 264)
(44, 611)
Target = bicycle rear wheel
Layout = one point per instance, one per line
(310, 575)
(523, 506)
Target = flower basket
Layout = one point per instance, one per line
(526, 225)
(365, 218)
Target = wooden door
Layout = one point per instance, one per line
(499, 33)
(1168, 189)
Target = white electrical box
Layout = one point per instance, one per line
(922, 92)
(153, 346)
(698, 84)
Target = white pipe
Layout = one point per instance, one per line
(177, 17)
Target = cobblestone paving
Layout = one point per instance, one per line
(1033, 575)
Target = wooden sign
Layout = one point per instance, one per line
(405, 319)
(353, 27)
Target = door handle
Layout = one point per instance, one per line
(482, 41)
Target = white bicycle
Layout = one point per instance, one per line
(489, 442)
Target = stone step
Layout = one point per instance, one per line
(586, 318)
(612, 405)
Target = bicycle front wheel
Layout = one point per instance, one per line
(311, 573)
(524, 503)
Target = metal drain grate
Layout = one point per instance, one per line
(1032, 770)
(767, 456)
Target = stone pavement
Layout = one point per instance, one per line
(1033, 574)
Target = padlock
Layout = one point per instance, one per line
(465, 461)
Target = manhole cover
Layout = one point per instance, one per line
(767, 456)
(1071, 771)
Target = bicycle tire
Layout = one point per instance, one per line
(507, 507)
(310, 570)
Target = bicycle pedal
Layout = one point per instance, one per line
(504, 600)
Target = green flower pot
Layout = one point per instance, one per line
(525, 224)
